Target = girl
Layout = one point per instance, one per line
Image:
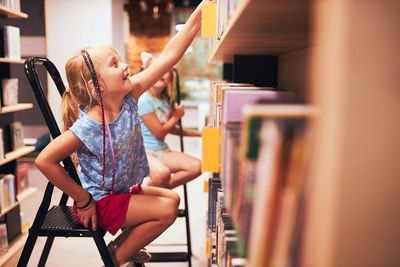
(101, 104)
(157, 120)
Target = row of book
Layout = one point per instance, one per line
(223, 242)
(264, 145)
(12, 185)
(215, 19)
(11, 4)
(10, 47)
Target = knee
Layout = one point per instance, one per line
(175, 196)
(170, 211)
(160, 176)
(196, 167)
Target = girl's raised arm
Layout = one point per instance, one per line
(171, 54)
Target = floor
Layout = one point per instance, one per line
(82, 252)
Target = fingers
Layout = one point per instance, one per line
(94, 222)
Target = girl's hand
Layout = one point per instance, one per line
(179, 111)
(87, 214)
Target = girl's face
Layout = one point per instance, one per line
(114, 74)
(163, 82)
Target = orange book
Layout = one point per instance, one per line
(210, 161)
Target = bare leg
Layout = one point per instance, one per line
(159, 174)
(149, 214)
(183, 166)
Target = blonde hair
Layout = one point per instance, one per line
(78, 76)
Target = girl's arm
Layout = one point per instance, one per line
(48, 162)
(171, 54)
(186, 131)
(161, 130)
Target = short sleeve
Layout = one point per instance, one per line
(145, 104)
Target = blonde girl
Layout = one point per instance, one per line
(159, 116)
(103, 129)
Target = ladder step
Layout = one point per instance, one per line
(182, 213)
(169, 257)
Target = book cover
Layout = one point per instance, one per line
(210, 162)
(2, 154)
(12, 42)
(16, 135)
(3, 239)
(22, 177)
(9, 88)
(209, 20)
(2, 199)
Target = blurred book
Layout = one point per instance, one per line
(209, 20)
(16, 135)
(11, 46)
(3, 239)
(22, 177)
(9, 89)
(2, 155)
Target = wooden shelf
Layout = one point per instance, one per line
(14, 250)
(264, 27)
(17, 107)
(12, 13)
(10, 60)
(13, 155)
(23, 195)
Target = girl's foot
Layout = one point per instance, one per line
(140, 257)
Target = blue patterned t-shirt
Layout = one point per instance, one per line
(130, 156)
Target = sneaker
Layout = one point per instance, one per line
(141, 257)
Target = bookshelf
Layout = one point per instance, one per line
(351, 211)
(259, 27)
(10, 13)
(10, 215)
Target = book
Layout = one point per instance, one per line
(9, 88)
(209, 20)
(2, 196)
(233, 99)
(2, 154)
(16, 135)
(22, 177)
(210, 148)
(11, 42)
(3, 239)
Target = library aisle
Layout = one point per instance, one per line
(67, 252)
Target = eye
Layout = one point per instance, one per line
(115, 63)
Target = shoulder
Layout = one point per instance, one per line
(145, 104)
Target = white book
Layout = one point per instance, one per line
(9, 91)
(12, 42)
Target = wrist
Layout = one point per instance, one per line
(84, 203)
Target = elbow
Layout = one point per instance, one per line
(160, 134)
(39, 162)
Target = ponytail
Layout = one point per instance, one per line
(69, 110)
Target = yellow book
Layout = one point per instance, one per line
(209, 20)
(210, 161)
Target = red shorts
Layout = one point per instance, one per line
(111, 210)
